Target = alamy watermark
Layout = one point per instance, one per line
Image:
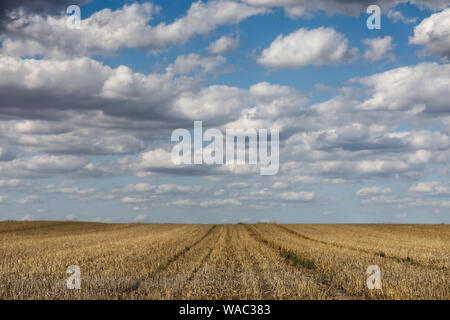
(74, 281)
(374, 20)
(251, 142)
(73, 20)
(374, 279)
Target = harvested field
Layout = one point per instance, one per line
(261, 261)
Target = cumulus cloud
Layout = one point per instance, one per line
(35, 136)
(223, 45)
(28, 199)
(42, 7)
(53, 89)
(361, 169)
(419, 88)
(433, 34)
(70, 217)
(140, 217)
(164, 189)
(397, 16)
(12, 184)
(379, 48)
(107, 31)
(426, 194)
(237, 185)
(434, 188)
(42, 166)
(157, 160)
(321, 46)
(297, 196)
(334, 137)
(45, 89)
(371, 191)
(133, 200)
(355, 152)
(63, 116)
(40, 127)
(214, 104)
(206, 204)
(189, 63)
(296, 8)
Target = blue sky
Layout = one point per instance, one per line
(87, 114)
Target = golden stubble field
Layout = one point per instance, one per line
(259, 261)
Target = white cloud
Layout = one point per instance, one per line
(146, 193)
(272, 102)
(40, 127)
(216, 103)
(423, 87)
(96, 109)
(94, 96)
(133, 200)
(295, 8)
(149, 189)
(378, 48)
(434, 188)
(285, 182)
(298, 196)
(400, 215)
(294, 12)
(206, 204)
(104, 31)
(88, 85)
(321, 46)
(433, 34)
(372, 191)
(28, 199)
(223, 45)
(441, 204)
(140, 217)
(70, 217)
(397, 16)
(80, 140)
(107, 31)
(68, 76)
(189, 63)
(3, 198)
(237, 185)
(13, 184)
(42, 165)
(146, 162)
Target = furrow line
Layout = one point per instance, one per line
(338, 294)
(398, 259)
(171, 260)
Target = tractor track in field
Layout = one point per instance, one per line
(182, 252)
(337, 245)
(228, 245)
(264, 284)
(170, 261)
(109, 242)
(337, 293)
(205, 258)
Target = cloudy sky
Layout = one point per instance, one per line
(86, 115)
